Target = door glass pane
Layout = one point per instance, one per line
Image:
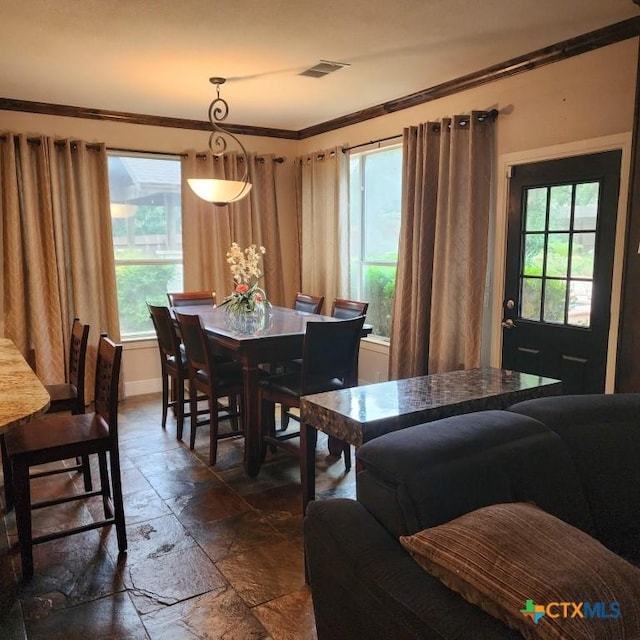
(536, 213)
(533, 254)
(560, 208)
(582, 254)
(580, 303)
(531, 298)
(558, 255)
(586, 207)
(554, 300)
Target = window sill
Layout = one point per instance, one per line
(373, 343)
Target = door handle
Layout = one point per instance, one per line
(508, 324)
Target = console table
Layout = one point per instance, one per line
(360, 414)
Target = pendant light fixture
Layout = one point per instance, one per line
(221, 192)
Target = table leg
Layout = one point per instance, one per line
(308, 439)
(252, 436)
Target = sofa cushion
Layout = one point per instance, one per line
(602, 434)
(425, 475)
(521, 565)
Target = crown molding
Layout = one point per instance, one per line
(560, 51)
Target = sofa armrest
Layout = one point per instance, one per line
(365, 585)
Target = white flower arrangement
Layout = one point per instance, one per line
(245, 270)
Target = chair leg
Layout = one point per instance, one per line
(213, 430)
(118, 505)
(346, 452)
(9, 499)
(105, 485)
(335, 446)
(193, 408)
(284, 418)
(233, 410)
(86, 472)
(267, 425)
(165, 398)
(308, 439)
(179, 406)
(22, 492)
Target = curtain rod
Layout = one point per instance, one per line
(278, 159)
(493, 114)
(364, 144)
(95, 147)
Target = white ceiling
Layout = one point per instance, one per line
(155, 57)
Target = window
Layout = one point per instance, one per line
(374, 219)
(558, 242)
(147, 235)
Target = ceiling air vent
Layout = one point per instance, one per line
(323, 68)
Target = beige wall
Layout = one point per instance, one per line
(585, 97)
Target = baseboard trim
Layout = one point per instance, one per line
(142, 387)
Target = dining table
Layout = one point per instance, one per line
(276, 336)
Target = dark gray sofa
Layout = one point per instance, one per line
(576, 457)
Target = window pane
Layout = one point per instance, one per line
(139, 284)
(558, 255)
(586, 209)
(560, 208)
(146, 226)
(149, 189)
(379, 288)
(580, 303)
(582, 254)
(375, 192)
(533, 254)
(554, 300)
(531, 298)
(536, 209)
(382, 197)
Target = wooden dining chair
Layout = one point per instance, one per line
(329, 363)
(340, 308)
(61, 436)
(213, 378)
(70, 395)
(345, 309)
(191, 298)
(173, 366)
(65, 396)
(308, 303)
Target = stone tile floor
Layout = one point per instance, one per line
(211, 554)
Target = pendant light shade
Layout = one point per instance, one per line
(217, 191)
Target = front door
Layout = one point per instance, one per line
(560, 246)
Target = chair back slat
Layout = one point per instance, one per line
(78, 358)
(168, 340)
(331, 351)
(191, 298)
(108, 362)
(347, 309)
(308, 303)
(195, 342)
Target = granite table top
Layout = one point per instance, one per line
(362, 413)
(22, 395)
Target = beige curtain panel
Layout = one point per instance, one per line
(57, 248)
(322, 198)
(209, 230)
(442, 257)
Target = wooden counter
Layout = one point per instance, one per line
(22, 395)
